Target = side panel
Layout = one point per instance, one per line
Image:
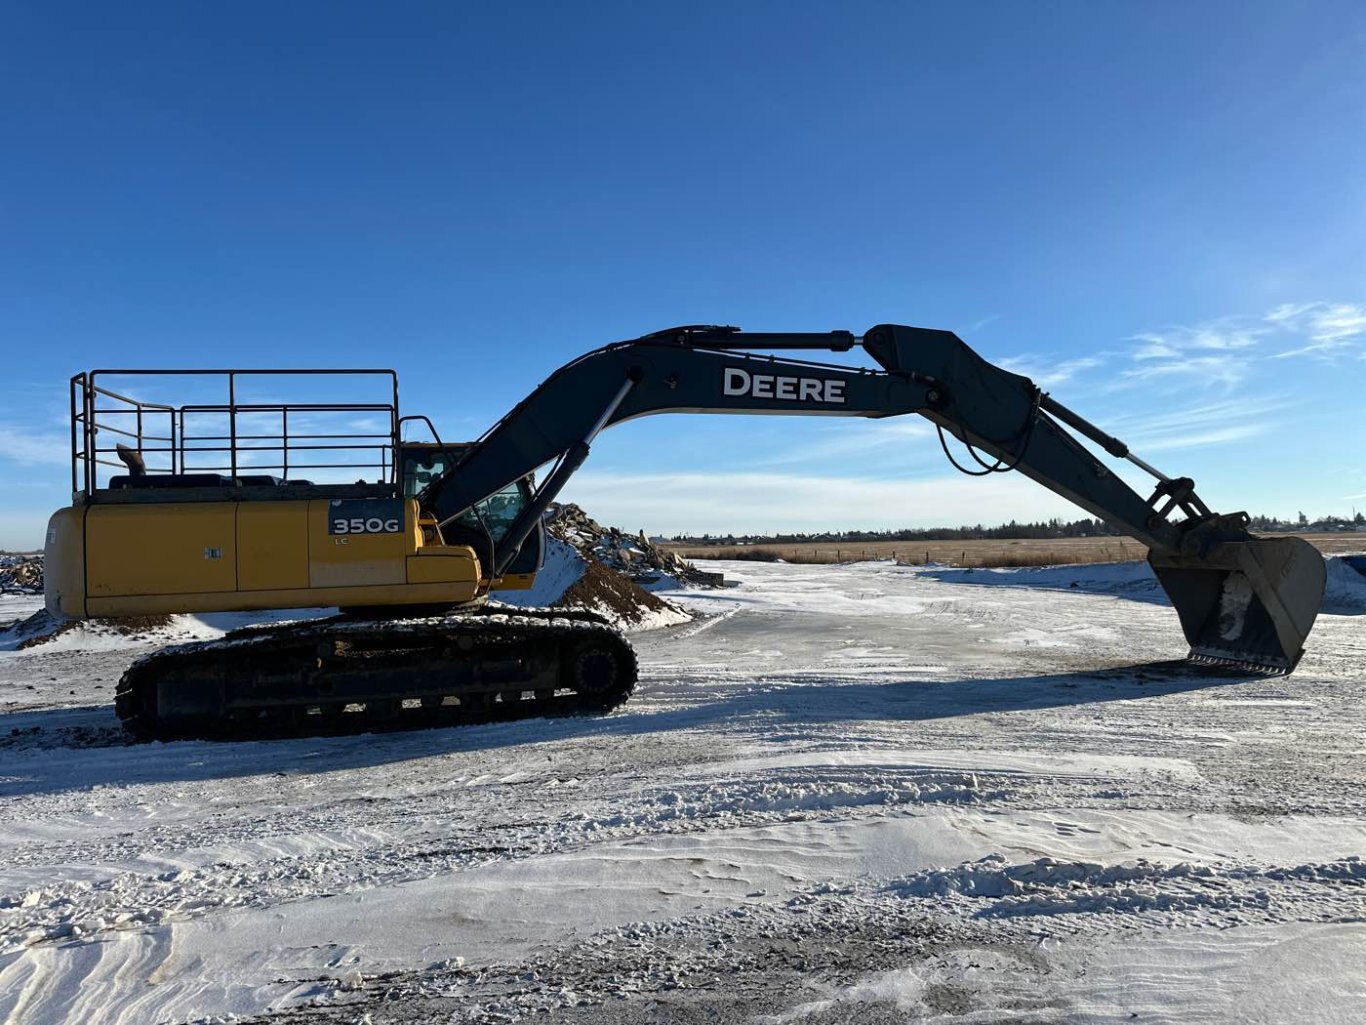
(358, 542)
(272, 545)
(445, 566)
(161, 549)
(212, 557)
(64, 563)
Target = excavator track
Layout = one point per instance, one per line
(345, 675)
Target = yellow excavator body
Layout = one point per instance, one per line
(171, 557)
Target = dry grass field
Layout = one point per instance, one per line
(1042, 552)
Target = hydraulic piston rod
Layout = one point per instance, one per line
(1108, 442)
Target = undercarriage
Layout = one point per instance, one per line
(344, 675)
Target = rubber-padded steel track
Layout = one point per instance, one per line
(344, 675)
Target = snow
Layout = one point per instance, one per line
(1133, 580)
(1345, 589)
(563, 567)
(101, 635)
(865, 792)
(19, 605)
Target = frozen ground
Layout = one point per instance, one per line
(854, 793)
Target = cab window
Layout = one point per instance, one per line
(420, 468)
(498, 511)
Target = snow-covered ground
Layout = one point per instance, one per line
(859, 793)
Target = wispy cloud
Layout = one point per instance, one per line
(1186, 370)
(1214, 353)
(1049, 374)
(1218, 337)
(1331, 328)
(977, 325)
(1198, 426)
(1223, 353)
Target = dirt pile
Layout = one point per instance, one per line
(619, 598)
(21, 574)
(633, 556)
(607, 571)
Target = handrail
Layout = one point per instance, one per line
(95, 412)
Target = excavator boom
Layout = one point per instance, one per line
(1240, 599)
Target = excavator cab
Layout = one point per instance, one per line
(485, 524)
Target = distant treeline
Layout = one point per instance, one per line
(1013, 531)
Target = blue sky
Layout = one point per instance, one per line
(1158, 210)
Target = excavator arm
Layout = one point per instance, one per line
(1240, 599)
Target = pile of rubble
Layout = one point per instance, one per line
(608, 571)
(633, 556)
(21, 574)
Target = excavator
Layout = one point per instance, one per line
(191, 525)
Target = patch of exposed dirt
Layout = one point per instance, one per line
(603, 590)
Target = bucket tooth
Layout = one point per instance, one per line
(1248, 603)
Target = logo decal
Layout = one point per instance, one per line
(786, 389)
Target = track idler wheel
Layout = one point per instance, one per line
(601, 671)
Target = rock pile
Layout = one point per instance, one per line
(633, 556)
(21, 574)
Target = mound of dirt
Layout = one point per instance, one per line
(634, 556)
(607, 571)
(619, 598)
(574, 579)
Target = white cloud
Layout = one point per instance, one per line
(1224, 352)
(1197, 426)
(1196, 371)
(1049, 374)
(1220, 336)
(1208, 354)
(977, 325)
(1287, 314)
(1205, 438)
(1154, 347)
(1330, 328)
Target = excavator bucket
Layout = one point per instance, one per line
(1246, 603)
